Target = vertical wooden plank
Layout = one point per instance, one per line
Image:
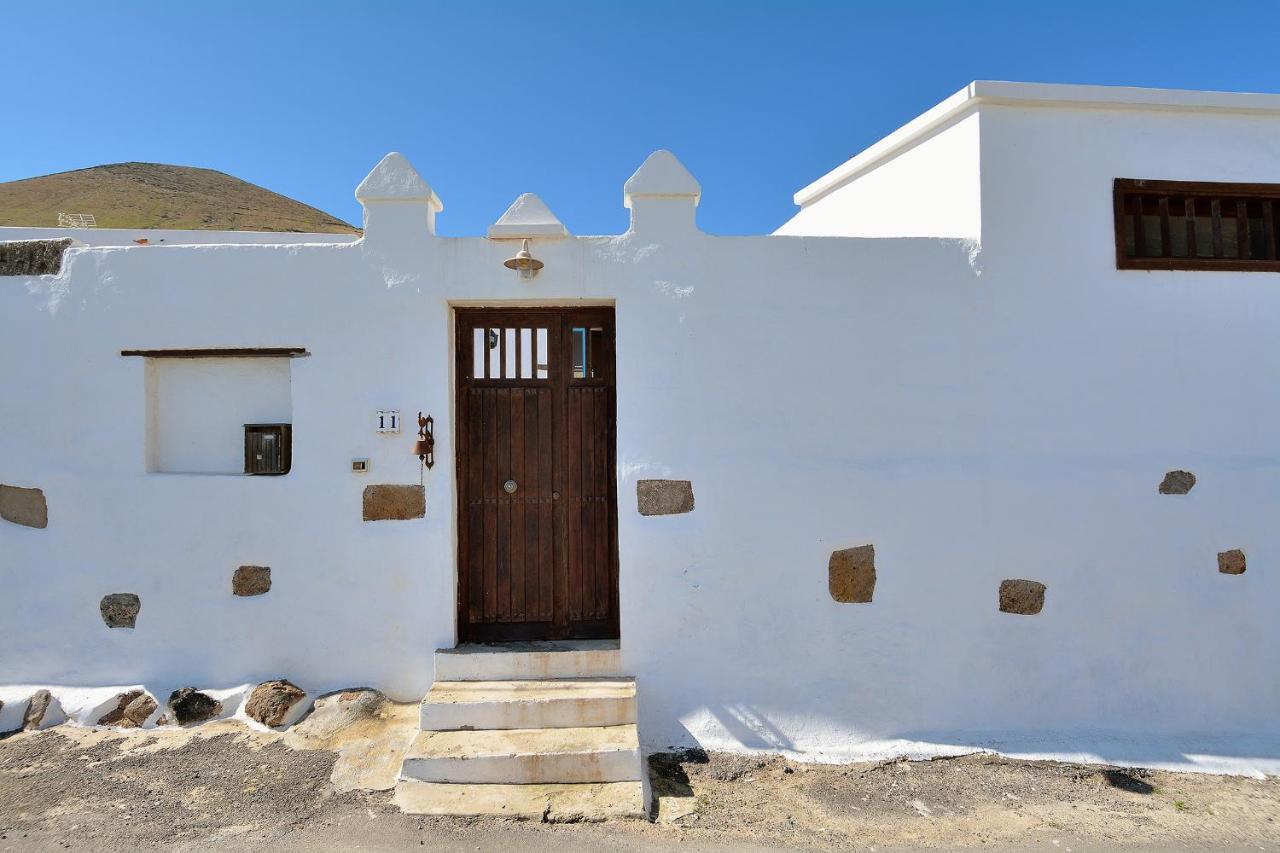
(484, 343)
(1215, 216)
(1139, 228)
(533, 351)
(519, 352)
(475, 507)
(516, 536)
(1189, 209)
(574, 471)
(1166, 242)
(502, 355)
(1269, 227)
(1244, 247)
(502, 501)
(602, 499)
(557, 364)
(547, 536)
(490, 506)
(537, 492)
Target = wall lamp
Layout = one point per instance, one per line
(524, 262)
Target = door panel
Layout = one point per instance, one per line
(536, 474)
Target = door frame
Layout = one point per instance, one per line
(560, 379)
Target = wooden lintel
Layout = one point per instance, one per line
(220, 352)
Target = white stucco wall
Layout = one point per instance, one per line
(926, 188)
(1004, 416)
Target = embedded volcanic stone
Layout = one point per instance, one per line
(251, 580)
(191, 706)
(851, 574)
(664, 497)
(131, 711)
(32, 257)
(120, 609)
(36, 710)
(24, 506)
(1021, 596)
(270, 701)
(387, 502)
(1177, 483)
(1231, 562)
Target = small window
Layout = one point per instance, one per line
(267, 448)
(587, 346)
(510, 353)
(1186, 225)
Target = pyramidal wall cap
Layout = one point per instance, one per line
(661, 175)
(395, 179)
(527, 217)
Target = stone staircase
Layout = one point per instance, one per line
(542, 731)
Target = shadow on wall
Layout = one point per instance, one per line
(752, 730)
(1204, 751)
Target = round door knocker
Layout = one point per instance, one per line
(509, 487)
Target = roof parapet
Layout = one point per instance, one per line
(662, 190)
(398, 194)
(528, 217)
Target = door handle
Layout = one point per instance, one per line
(510, 487)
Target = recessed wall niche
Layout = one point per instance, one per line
(197, 409)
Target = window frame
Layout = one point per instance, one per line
(1124, 189)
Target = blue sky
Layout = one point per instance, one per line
(563, 99)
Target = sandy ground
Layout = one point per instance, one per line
(223, 786)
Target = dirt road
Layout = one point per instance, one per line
(225, 787)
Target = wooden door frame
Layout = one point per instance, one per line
(560, 377)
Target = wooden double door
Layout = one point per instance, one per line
(537, 484)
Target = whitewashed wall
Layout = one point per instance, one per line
(928, 188)
(1009, 417)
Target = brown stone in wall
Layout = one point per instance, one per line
(131, 711)
(1021, 596)
(27, 507)
(251, 580)
(851, 574)
(32, 257)
(120, 609)
(664, 497)
(270, 701)
(36, 709)
(191, 706)
(388, 502)
(1177, 483)
(1231, 562)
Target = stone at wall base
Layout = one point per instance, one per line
(271, 701)
(390, 502)
(191, 706)
(131, 711)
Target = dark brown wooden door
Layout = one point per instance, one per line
(537, 526)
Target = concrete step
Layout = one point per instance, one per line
(550, 703)
(516, 661)
(525, 756)
(568, 803)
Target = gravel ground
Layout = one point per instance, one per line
(223, 786)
